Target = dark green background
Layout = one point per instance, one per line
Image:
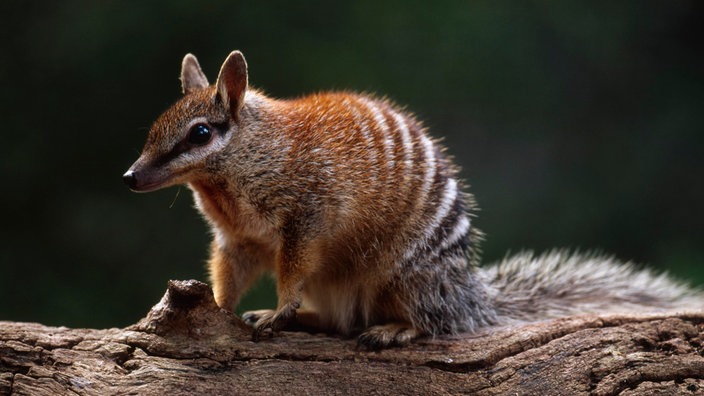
(578, 124)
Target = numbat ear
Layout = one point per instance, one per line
(232, 83)
(192, 76)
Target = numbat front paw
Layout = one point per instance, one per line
(252, 317)
(266, 319)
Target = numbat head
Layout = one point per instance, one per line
(353, 207)
(191, 133)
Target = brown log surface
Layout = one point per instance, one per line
(187, 345)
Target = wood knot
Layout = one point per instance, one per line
(188, 294)
(188, 309)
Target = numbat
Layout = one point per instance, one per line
(361, 217)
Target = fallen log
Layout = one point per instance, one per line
(187, 345)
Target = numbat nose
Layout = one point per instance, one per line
(130, 179)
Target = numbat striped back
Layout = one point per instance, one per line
(391, 209)
(360, 216)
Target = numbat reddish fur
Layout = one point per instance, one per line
(360, 215)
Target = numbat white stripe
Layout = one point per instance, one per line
(449, 194)
(406, 139)
(384, 129)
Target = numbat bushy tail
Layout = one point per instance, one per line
(360, 216)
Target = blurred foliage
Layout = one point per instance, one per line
(578, 124)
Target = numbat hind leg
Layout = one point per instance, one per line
(388, 335)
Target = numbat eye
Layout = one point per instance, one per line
(199, 134)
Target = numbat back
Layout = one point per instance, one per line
(360, 216)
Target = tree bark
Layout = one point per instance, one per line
(187, 345)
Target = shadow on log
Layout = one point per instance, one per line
(187, 345)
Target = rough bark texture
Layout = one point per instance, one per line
(187, 345)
